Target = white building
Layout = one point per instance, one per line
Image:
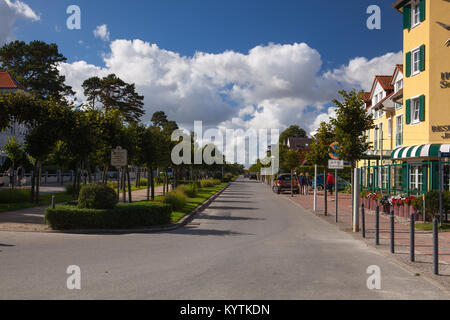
(17, 131)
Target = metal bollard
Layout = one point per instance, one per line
(377, 226)
(363, 221)
(436, 246)
(53, 202)
(412, 245)
(392, 232)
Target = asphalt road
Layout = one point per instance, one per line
(250, 244)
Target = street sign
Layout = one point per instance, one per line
(335, 147)
(119, 157)
(336, 164)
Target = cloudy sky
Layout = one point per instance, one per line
(233, 64)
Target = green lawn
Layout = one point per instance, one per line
(203, 195)
(429, 227)
(46, 199)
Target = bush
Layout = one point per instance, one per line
(228, 177)
(142, 182)
(176, 199)
(123, 216)
(208, 183)
(97, 196)
(188, 182)
(14, 196)
(190, 190)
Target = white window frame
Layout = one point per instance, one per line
(415, 110)
(398, 85)
(414, 62)
(398, 129)
(415, 14)
(416, 178)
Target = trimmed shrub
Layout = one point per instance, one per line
(142, 182)
(190, 190)
(208, 183)
(97, 196)
(14, 196)
(188, 182)
(123, 216)
(176, 199)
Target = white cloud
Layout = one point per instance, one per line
(10, 12)
(102, 32)
(271, 86)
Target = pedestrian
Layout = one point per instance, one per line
(330, 183)
(308, 183)
(10, 174)
(20, 175)
(301, 183)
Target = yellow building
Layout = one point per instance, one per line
(412, 116)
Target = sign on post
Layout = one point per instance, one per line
(119, 157)
(335, 147)
(336, 164)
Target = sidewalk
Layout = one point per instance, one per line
(32, 219)
(423, 239)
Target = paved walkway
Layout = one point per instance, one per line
(424, 239)
(32, 219)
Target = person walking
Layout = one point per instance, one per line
(20, 176)
(308, 183)
(10, 174)
(301, 183)
(330, 183)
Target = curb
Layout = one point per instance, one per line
(183, 221)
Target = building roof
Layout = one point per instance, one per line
(398, 68)
(399, 4)
(365, 96)
(299, 143)
(7, 82)
(385, 82)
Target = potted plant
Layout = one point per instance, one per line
(385, 203)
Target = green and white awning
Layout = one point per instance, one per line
(422, 151)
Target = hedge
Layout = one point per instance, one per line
(123, 216)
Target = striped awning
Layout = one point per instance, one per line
(421, 151)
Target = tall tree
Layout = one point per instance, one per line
(292, 132)
(35, 66)
(350, 123)
(111, 93)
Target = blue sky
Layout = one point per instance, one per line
(337, 29)
(248, 64)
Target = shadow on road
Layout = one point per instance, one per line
(232, 201)
(232, 208)
(6, 245)
(229, 218)
(188, 230)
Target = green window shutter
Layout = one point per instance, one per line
(422, 10)
(408, 112)
(422, 58)
(407, 17)
(425, 178)
(422, 108)
(408, 64)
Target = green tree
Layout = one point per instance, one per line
(35, 66)
(111, 93)
(292, 132)
(350, 124)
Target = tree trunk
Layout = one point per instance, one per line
(138, 177)
(152, 183)
(33, 182)
(38, 183)
(148, 185)
(130, 198)
(292, 183)
(353, 186)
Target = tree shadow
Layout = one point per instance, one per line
(6, 245)
(188, 230)
(228, 218)
(231, 208)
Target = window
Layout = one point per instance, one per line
(416, 178)
(385, 178)
(399, 131)
(399, 85)
(415, 61)
(416, 14)
(389, 134)
(380, 137)
(398, 106)
(415, 115)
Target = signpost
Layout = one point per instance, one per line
(335, 165)
(119, 159)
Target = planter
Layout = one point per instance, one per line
(386, 209)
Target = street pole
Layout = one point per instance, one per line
(356, 195)
(336, 196)
(381, 158)
(315, 187)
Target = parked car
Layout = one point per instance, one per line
(253, 176)
(342, 184)
(283, 184)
